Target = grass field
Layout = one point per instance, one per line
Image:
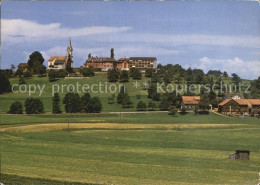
(46, 97)
(152, 148)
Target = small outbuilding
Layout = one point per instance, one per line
(240, 154)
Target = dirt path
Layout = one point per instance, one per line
(113, 126)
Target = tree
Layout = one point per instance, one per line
(16, 108)
(27, 74)
(68, 65)
(95, 105)
(35, 60)
(124, 76)
(126, 102)
(172, 110)
(72, 103)
(151, 105)
(112, 53)
(141, 106)
(204, 103)
(4, 83)
(225, 74)
(137, 74)
(87, 72)
(41, 70)
(112, 75)
(155, 78)
(19, 72)
(61, 73)
(183, 110)
(33, 106)
(152, 93)
(56, 104)
(85, 102)
(164, 103)
(52, 75)
(121, 95)
(149, 72)
(13, 67)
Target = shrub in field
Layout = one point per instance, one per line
(183, 111)
(61, 73)
(56, 104)
(141, 106)
(121, 95)
(52, 75)
(112, 75)
(95, 105)
(16, 108)
(172, 110)
(72, 103)
(124, 76)
(126, 102)
(27, 74)
(87, 72)
(33, 106)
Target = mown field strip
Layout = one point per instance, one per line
(62, 126)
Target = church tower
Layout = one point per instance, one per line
(70, 53)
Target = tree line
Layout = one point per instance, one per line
(72, 101)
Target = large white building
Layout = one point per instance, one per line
(59, 62)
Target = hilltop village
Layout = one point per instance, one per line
(229, 101)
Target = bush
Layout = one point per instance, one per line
(52, 75)
(56, 104)
(141, 106)
(27, 74)
(112, 75)
(33, 106)
(61, 73)
(16, 108)
(87, 72)
(183, 111)
(172, 110)
(124, 76)
(72, 103)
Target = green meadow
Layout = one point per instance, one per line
(62, 85)
(151, 148)
(122, 146)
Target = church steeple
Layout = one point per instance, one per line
(70, 51)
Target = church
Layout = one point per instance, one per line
(60, 62)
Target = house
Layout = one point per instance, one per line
(189, 102)
(23, 66)
(142, 63)
(122, 64)
(101, 63)
(59, 62)
(240, 154)
(238, 106)
(233, 96)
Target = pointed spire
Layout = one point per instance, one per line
(70, 46)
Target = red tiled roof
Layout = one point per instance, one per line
(224, 102)
(190, 100)
(57, 58)
(248, 102)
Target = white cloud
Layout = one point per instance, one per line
(19, 30)
(245, 69)
(177, 40)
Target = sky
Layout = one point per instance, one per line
(209, 35)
